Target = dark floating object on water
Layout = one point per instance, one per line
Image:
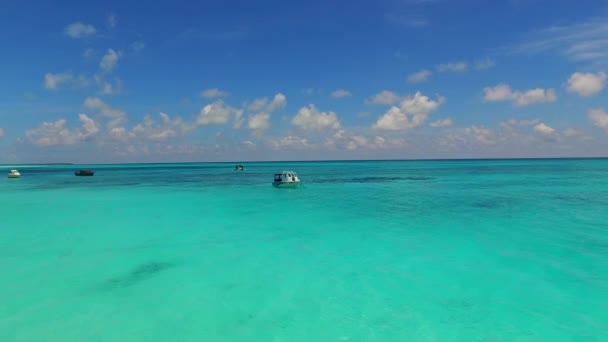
(138, 274)
(84, 173)
(239, 168)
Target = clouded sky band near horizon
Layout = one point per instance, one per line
(269, 80)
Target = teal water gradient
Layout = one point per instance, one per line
(512, 250)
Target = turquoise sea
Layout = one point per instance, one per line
(488, 250)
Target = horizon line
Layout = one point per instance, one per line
(317, 161)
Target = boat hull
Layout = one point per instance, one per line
(286, 185)
(14, 176)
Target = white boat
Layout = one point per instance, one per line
(286, 179)
(14, 174)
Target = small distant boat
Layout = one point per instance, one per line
(84, 173)
(239, 168)
(14, 174)
(286, 179)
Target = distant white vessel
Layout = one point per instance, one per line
(286, 179)
(14, 174)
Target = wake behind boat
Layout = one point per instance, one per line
(286, 179)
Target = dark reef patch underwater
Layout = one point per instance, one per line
(138, 274)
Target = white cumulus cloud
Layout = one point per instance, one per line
(109, 60)
(167, 128)
(57, 133)
(587, 84)
(52, 81)
(343, 139)
(116, 117)
(89, 127)
(289, 142)
(217, 113)
(89, 53)
(482, 135)
(278, 102)
(533, 96)
(55, 81)
(531, 122)
(575, 133)
(213, 93)
(385, 97)
(412, 112)
(394, 119)
(262, 109)
(420, 76)
(310, 118)
(503, 92)
(79, 30)
(599, 118)
(485, 64)
(544, 129)
(340, 93)
(260, 121)
(107, 87)
(447, 122)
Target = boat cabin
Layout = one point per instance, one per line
(14, 174)
(286, 179)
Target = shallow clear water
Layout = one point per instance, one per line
(413, 250)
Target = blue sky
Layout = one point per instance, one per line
(115, 81)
